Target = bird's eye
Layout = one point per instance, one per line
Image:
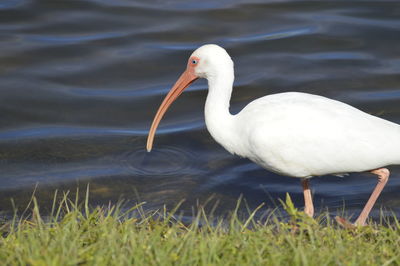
(194, 61)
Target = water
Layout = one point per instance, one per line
(81, 81)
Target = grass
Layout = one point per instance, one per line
(75, 234)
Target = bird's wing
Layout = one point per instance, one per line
(305, 134)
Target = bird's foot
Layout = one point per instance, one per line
(345, 223)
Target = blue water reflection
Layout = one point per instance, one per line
(81, 81)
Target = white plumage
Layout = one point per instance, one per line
(292, 134)
(302, 135)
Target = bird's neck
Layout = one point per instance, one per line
(219, 120)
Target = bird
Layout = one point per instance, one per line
(292, 134)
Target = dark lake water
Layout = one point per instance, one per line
(80, 82)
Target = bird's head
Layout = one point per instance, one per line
(208, 60)
(205, 62)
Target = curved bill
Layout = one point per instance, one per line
(182, 83)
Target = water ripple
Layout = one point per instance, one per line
(376, 96)
(274, 35)
(162, 161)
(63, 39)
(47, 132)
(64, 131)
(333, 55)
(161, 90)
(10, 4)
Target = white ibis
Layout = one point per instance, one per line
(292, 134)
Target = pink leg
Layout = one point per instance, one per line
(383, 177)
(309, 207)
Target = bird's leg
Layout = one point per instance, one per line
(383, 177)
(308, 203)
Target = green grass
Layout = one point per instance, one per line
(76, 234)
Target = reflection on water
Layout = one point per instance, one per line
(81, 81)
(166, 161)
